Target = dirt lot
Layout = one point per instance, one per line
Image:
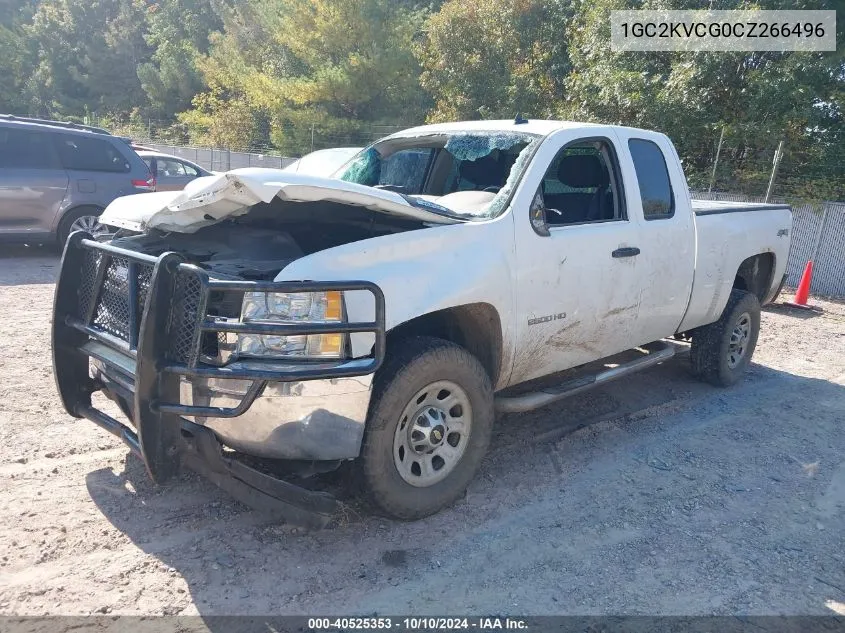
(659, 495)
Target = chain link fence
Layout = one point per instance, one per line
(222, 159)
(296, 140)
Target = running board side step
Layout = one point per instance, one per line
(657, 353)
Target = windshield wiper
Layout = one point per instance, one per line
(428, 205)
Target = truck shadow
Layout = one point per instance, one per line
(554, 477)
(791, 311)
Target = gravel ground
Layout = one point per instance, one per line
(657, 495)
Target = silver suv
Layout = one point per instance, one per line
(56, 178)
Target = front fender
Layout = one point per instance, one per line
(423, 271)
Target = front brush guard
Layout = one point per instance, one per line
(163, 439)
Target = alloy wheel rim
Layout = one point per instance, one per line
(738, 344)
(90, 224)
(432, 434)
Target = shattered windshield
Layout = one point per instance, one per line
(465, 174)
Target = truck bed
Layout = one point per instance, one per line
(723, 242)
(715, 207)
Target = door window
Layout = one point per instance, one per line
(582, 185)
(86, 153)
(170, 168)
(23, 149)
(189, 170)
(653, 178)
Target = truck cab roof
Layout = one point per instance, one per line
(540, 127)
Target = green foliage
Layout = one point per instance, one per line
(87, 56)
(332, 64)
(758, 98)
(495, 58)
(13, 56)
(221, 122)
(295, 74)
(179, 31)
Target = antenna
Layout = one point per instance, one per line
(519, 120)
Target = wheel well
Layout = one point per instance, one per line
(755, 275)
(77, 208)
(63, 218)
(474, 326)
(95, 207)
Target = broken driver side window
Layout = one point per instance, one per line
(582, 185)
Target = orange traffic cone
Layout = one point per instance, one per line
(803, 291)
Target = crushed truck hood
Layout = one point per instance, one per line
(210, 199)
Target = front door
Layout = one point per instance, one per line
(578, 277)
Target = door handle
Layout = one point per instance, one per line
(628, 251)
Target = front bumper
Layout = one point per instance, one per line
(320, 420)
(149, 359)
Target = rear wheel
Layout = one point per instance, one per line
(428, 429)
(82, 219)
(721, 351)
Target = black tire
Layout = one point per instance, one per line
(64, 228)
(711, 355)
(415, 364)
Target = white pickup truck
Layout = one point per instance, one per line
(262, 326)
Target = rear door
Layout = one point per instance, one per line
(32, 182)
(98, 169)
(659, 197)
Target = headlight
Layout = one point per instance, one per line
(285, 307)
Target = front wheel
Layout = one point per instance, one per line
(428, 429)
(721, 351)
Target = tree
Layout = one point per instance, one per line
(757, 98)
(242, 73)
(495, 58)
(335, 64)
(180, 32)
(88, 53)
(14, 60)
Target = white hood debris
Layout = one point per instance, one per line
(210, 199)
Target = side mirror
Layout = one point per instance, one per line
(537, 215)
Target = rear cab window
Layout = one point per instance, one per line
(656, 193)
(87, 153)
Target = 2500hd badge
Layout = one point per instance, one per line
(546, 319)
